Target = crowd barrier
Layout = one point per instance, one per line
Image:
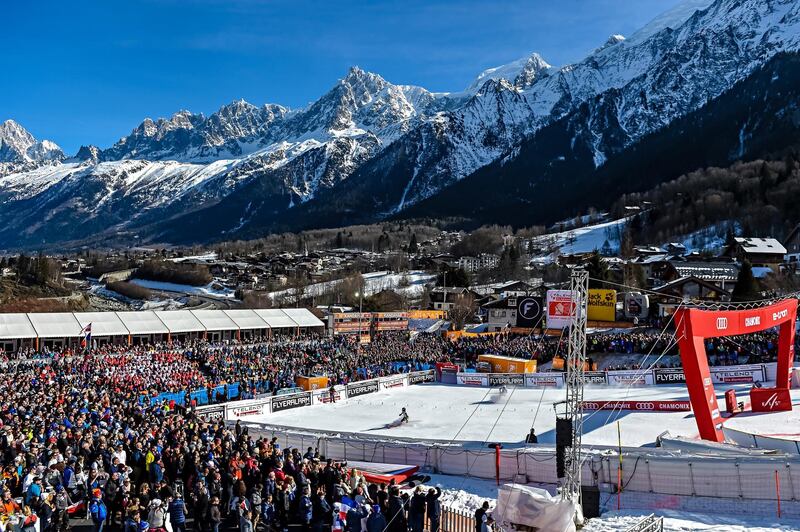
(279, 403)
(654, 471)
(746, 373)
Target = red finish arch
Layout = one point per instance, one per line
(693, 326)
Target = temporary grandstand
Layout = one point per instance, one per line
(61, 329)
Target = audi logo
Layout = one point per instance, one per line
(645, 406)
(722, 324)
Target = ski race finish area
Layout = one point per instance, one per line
(695, 325)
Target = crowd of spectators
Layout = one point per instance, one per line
(78, 437)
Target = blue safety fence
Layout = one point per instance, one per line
(199, 396)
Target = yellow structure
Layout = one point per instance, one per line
(501, 364)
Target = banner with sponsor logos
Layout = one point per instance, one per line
(669, 376)
(362, 388)
(324, 396)
(472, 379)
(529, 311)
(418, 377)
(395, 381)
(255, 408)
(602, 305)
(506, 379)
(286, 402)
(211, 413)
(548, 379)
(629, 378)
(646, 406)
(738, 374)
(594, 377)
(636, 305)
(559, 308)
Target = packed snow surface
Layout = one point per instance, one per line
(689, 522)
(460, 413)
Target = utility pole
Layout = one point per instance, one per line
(576, 358)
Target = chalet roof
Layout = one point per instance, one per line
(753, 245)
(709, 271)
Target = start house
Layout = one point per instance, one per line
(63, 329)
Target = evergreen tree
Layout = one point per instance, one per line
(598, 271)
(413, 247)
(746, 285)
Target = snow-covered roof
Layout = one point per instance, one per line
(142, 322)
(246, 319)
(14, 326)
(708, 271)
(55, 325)
(303, 317)
(103, 323)
(215, 320)
(180, 321)
(760, 245)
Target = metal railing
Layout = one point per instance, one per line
(453, 520)
(651, 523)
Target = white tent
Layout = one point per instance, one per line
(56, 325)
(246, 319)
(180, 321)
(214, 320)
(276, 318)
(142, 322)
(103, 323)
(14, 326)
(303, 317)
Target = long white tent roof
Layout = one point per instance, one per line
(276, 318)
(70, 325)
(103, 323)
(303, 317)
(142, 322)
(56, 325)
(214, 320)
(180, 321)
(246, 319)
(13, 326)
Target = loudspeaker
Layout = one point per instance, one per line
(560, 456)
(590, 500)
(564, 432)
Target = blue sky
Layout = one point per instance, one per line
(88, 72)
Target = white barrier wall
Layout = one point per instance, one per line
(651, 471)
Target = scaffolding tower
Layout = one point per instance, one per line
(576, 358)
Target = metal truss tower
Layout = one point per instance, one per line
(576, 358)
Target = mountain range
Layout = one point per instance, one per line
(523, 143)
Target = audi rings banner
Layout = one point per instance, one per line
(645, 406)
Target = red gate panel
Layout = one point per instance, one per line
(693, 326)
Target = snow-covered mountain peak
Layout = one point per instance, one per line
(521, 73)
(672, 18)
(17, 145)
(611, 41)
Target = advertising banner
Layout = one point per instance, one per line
(553, 380)
(393, 382)
(472, 379)
(594, 377)
(250, 409)
(669, 376)
(645, 406)
(211, 413)
(629, 378)
(559, 308)
(635, 305)
(506, 379)
(418, 377)
(362, 388)
(285, 402)
(602, 305)
(738, 374)
(324, 396)
(529, 311)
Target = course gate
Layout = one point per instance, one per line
(695, 325)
